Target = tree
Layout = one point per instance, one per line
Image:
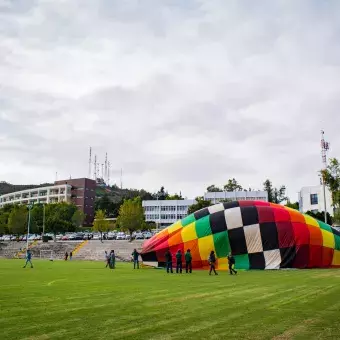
(78, 218)
(292, 205)
(232, 185)
(275, 195)
(100, 223)
(4, 221)
(174, 197)
(131, 216)
(331, 177)
(59, 217)
(17, 220)
(213, 188)
(200, 204)
(161, 194)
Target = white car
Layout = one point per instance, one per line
(147, 235)
(121, 236)
(96, 237)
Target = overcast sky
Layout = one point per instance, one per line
(179, 93)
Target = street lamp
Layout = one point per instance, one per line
(30, 206)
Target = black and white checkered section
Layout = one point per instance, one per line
(246, 234)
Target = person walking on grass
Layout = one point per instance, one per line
(66, 256)
(112, 259)
(168, 260)
(188, 260)
(212, 262)
(179, 261)
(231, 263)
(107, 259)
(71, 256)
(28, 258)
(135, 257)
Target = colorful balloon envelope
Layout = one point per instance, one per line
(260, 235)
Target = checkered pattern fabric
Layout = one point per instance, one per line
(260, 235)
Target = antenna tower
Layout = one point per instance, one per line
(90, 161)
(106, 169)
(108, 172)
(324, 149)
(95, 168)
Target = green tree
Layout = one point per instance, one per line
(17, 220)
(174, 197)
(78, 218)
(100, 223)
(161, 194)
(331, 177)
(232, 185)
(213, 188)
(131, 216)
(200, 204)
(4, 221)
(275, 195)
(292, 205)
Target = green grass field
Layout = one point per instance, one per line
(83, 300)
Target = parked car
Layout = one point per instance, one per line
(65, 238)
(147, 235)
(139, 236)
(121, 236)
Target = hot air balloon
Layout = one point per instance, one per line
(260, 235)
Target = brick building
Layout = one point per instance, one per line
(83, 194)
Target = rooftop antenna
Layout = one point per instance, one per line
(103, 171)
(324, 149)
(90, 161)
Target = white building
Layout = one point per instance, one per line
(216, 197)
(51, 194)
(311, 199)
(166, 212)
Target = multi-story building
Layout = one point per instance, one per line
(216, 197)
(166, 212)
(50, 194)
(83, 194)
(312, 199)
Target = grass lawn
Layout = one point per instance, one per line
(82, 300)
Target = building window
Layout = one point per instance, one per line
(314, 199)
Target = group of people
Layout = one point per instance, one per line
(188, 262)
(179, 261)
(110, 259)
(66, 256)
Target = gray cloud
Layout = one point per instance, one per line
(181, 94)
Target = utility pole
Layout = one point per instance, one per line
(30, 206)
(324, 149)
(43, 220)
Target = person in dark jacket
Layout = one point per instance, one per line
(188, 260)
(66, 256)
(231, 263)
(179, 257)
(212, 262)
(168, 260)
(135, 256)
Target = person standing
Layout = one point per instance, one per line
(66, 256)
(231, 263)
(188, 262)
(135, 256)
(107, 259)
(112, 259)
(71, 256)
(212, 261)
(168, 260)
(179, 261)
(28, 258)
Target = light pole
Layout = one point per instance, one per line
(43, 220)
(324, 149)
(29, 223)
